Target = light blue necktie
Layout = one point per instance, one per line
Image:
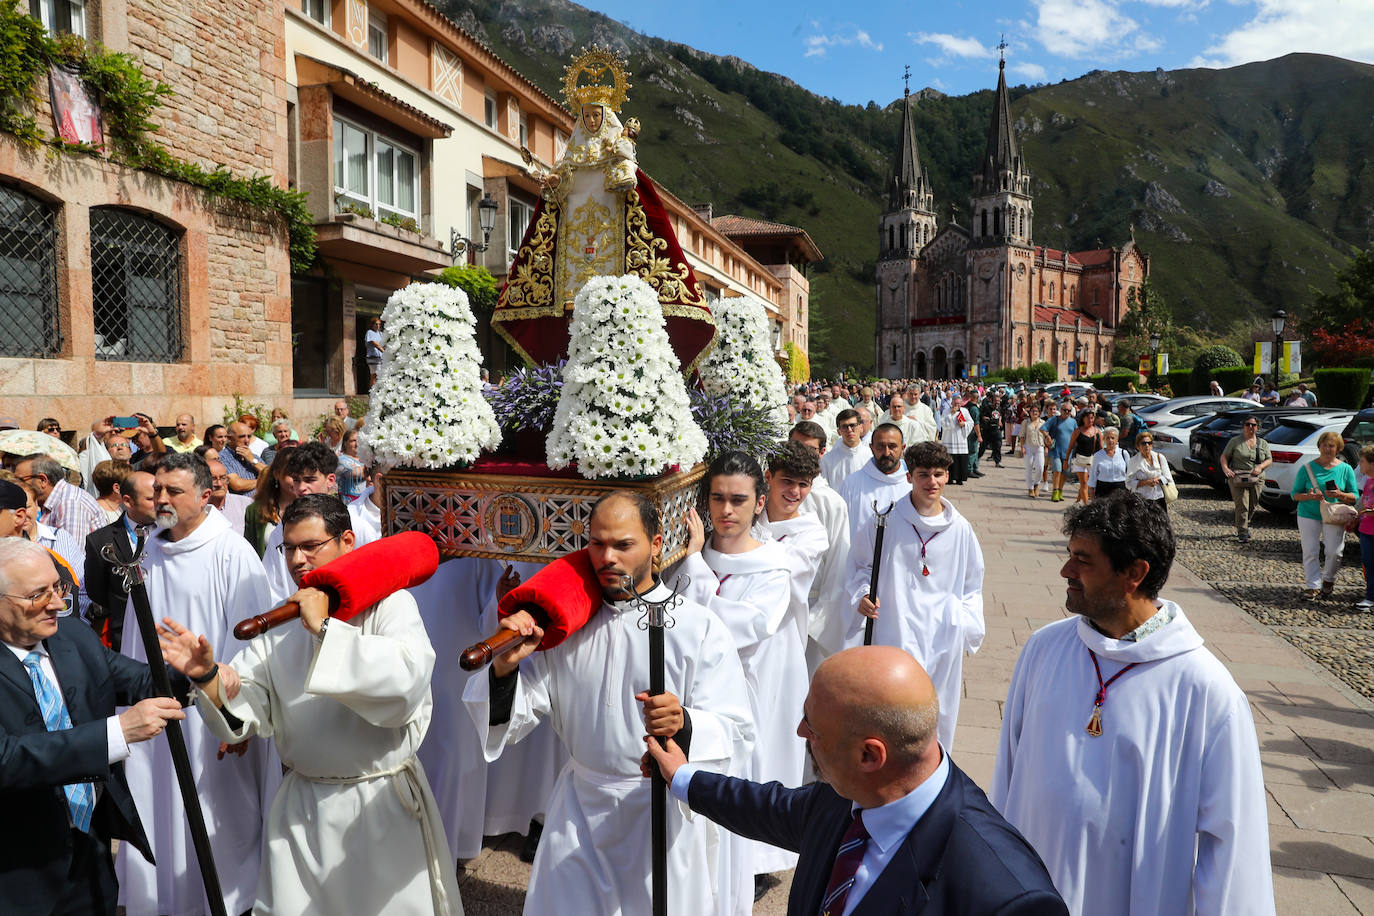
(80, 795)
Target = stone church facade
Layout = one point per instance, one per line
(958, 300)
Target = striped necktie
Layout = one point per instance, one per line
(80, 795)
(846, 868)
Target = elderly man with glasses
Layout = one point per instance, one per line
(64, 789)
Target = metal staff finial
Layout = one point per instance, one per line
(129, 571)
(654, 613)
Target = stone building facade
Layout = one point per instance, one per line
(126, 291)
(955, 301)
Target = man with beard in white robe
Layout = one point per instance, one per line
(881, 480)
(849, 453)
(595, 853)
(748, 584)
(930, 587)
(354, 828)
(198, 569)
(828, 602)
(1128, 755)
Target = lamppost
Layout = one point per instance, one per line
(486, 219)
(1278, 320)
(1154, 358)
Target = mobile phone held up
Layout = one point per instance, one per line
(124, 422)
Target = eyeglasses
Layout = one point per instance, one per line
(850, 425)
(221, 478)
(1144, 442)
(41, 597)
(308, 549)
(1250, 424)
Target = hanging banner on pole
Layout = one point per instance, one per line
(1144, 367)
(1163, 360)
(1264, 357)
(1292, 356)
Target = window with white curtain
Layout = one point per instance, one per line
(60, 15)
(375, 172)
(491, 114)
(520, 214)
(377, 44)
(317, 10)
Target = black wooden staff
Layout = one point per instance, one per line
(881, 518)
(132, 574)
(655, 619)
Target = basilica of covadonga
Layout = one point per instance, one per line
(957, 300)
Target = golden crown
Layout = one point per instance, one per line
(595, 63)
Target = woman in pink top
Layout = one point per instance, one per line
(1366, 528)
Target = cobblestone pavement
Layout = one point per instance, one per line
(1316, 732)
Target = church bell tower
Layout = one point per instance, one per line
(1002, 212)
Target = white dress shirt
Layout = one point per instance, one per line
(115, 747)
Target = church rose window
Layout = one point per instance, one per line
(28, 275)
(135, 287)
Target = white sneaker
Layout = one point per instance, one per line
(1365, 605)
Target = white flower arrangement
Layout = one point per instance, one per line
(624, 410)
(427, 409)
(741, 366)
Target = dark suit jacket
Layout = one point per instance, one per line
(104, 589)
(36, 843)
(962, 857)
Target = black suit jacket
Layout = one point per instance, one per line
(105, 590)
(36, 841)
(962, 857)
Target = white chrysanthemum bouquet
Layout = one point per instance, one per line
(741, 367)
(623, 411)
(427, 409)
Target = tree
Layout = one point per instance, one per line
(1146, 314)
(1348, 307)
(476, 281)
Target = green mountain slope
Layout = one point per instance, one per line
(1246, 186)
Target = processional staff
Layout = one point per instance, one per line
(654, 618)
(132, 574)
(881, 519)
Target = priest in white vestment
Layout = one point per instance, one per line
(310, 468)
(882, 480)
(199, 572)
(354, 827)
(849, 453)
(930, 586)
(1128, 755)
(595, 852)
(828, 601)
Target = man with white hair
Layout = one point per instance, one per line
(897, 416)
(198, 571)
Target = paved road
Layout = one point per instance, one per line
(1316, 735)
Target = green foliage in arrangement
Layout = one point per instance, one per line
(476, 281)
(128, 99)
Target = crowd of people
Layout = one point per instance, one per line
(349, 766)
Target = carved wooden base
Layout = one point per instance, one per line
(471, 514)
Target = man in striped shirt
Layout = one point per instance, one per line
(69, 508)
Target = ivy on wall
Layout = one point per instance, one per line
(127, 99)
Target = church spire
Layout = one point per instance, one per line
(1001, 155)
(910, 187)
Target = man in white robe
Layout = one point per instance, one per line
(883, 479)
(930, 587)
(310, 468)
(354, 828)
(849, 453)
(199, 571)
(897, 415)
(749, 585)
(1128, 755)
(828, 602)
(366, 513)
(595, 853)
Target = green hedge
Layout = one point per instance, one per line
(1234, 378)
(1118, 378)
(1181, 380)
(1043, 373)
(1342, 387)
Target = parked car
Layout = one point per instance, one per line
(1172, 441)
(1358, 433)
(1293, 443)
(1137, 400)
(1168, 413)
(1210, 438)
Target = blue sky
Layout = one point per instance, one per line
(856, 51)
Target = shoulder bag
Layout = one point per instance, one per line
(1332, 513)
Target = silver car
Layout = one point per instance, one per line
(1172, 441)
(1293, 443)
(1170, 412)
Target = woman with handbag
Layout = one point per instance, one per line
(1243, 462)
(1325, 492)
(1365, 527)
(1148, 474)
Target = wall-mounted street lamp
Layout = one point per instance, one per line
(458, 245)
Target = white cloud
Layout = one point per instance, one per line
(1033, 72)
(1344, 28)
(953, 45)
(1077, 28)
(1177, 4)
(818, 45)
